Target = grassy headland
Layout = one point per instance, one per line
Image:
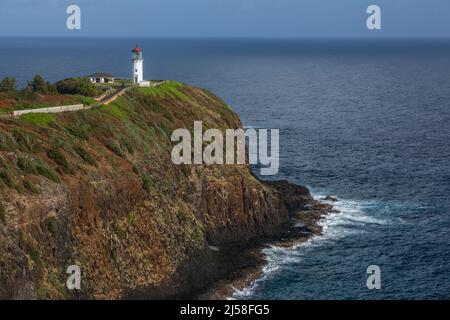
(97, 188)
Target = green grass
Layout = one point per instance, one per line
(116, 111)
(167, 90)
(87, 101)
(130, 218)
(38, 119)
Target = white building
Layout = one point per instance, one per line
(138, 67)
(101, 78)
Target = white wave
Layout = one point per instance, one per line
(350, 219)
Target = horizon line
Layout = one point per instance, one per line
(220, 37)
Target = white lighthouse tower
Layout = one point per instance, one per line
(138, 65)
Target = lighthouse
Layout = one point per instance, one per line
(138, 65)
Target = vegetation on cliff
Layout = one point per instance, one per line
(97, 188)
(81, 86)
(39, 93)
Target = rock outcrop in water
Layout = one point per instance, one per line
(98, 189)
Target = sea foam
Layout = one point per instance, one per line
(349, 219)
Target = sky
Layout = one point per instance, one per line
(226, 18)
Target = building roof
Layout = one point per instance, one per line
(101, 75)
(137, 49)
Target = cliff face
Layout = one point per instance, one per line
(98, 189)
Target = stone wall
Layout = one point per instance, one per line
(58, 109)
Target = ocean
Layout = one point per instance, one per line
(365, 121)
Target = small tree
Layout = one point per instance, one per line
(8, 84)
(38, 84)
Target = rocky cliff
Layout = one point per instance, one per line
(98, 189)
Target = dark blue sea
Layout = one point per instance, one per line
(365, 121)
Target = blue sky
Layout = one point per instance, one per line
(227, 18)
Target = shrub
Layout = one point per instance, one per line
(6, 143)
(8, 84)
(30, 248)
(80, 130)
(39, 84)
(27, 141)
(85, 155)
(26, 166)
(81, 86)
(124, 143)
(4, 175)
(29, 186)
(146, 184)
(114, 147)
(26, 244)
(34, 253)
(45, 171)
(52, 225)
(59, 158)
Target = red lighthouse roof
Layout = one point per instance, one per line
(137, 49)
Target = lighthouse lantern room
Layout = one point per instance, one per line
(138, 65)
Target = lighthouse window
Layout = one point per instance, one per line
(135, 70)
